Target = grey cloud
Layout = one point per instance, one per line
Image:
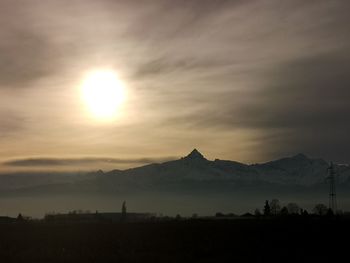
(166, 20)
(307, 92)
(32, 44)
(311, 91)
(168, 65)
(269, 67)
(43, 162)
(303, 102)
(10, 124)
(25, 57)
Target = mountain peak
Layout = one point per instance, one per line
(195, 154)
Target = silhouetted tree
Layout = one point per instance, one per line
(304, 212)
(330, 212)
(320, 209)
(257, 212)
(293, 208)
(19, 217)
(123, 217)
(275, 206)
(284, 211)
(267, 209)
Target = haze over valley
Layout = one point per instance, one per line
(191, 184)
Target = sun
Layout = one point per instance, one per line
(103, 93)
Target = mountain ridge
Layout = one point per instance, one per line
(190, 182)
(298, 169)
(192, 170)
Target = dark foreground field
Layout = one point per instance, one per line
(306, 240)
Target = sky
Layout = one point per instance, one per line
(249, 81)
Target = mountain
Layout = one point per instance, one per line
(298, 170)
(189, 184)
(193, 171)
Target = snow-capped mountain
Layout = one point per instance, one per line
(295, 170)
(192, 172)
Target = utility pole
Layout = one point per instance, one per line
(332, 192)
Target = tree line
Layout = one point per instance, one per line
(274, 208)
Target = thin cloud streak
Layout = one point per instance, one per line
(44, 162)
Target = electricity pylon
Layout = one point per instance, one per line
(332, 192)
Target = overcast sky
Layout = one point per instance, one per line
(243, 80)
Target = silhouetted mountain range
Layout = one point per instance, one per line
(193, 170)
(295, 170)
(186, 185)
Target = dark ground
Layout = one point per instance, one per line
(250, 240)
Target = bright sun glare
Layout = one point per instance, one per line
(103, 93)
